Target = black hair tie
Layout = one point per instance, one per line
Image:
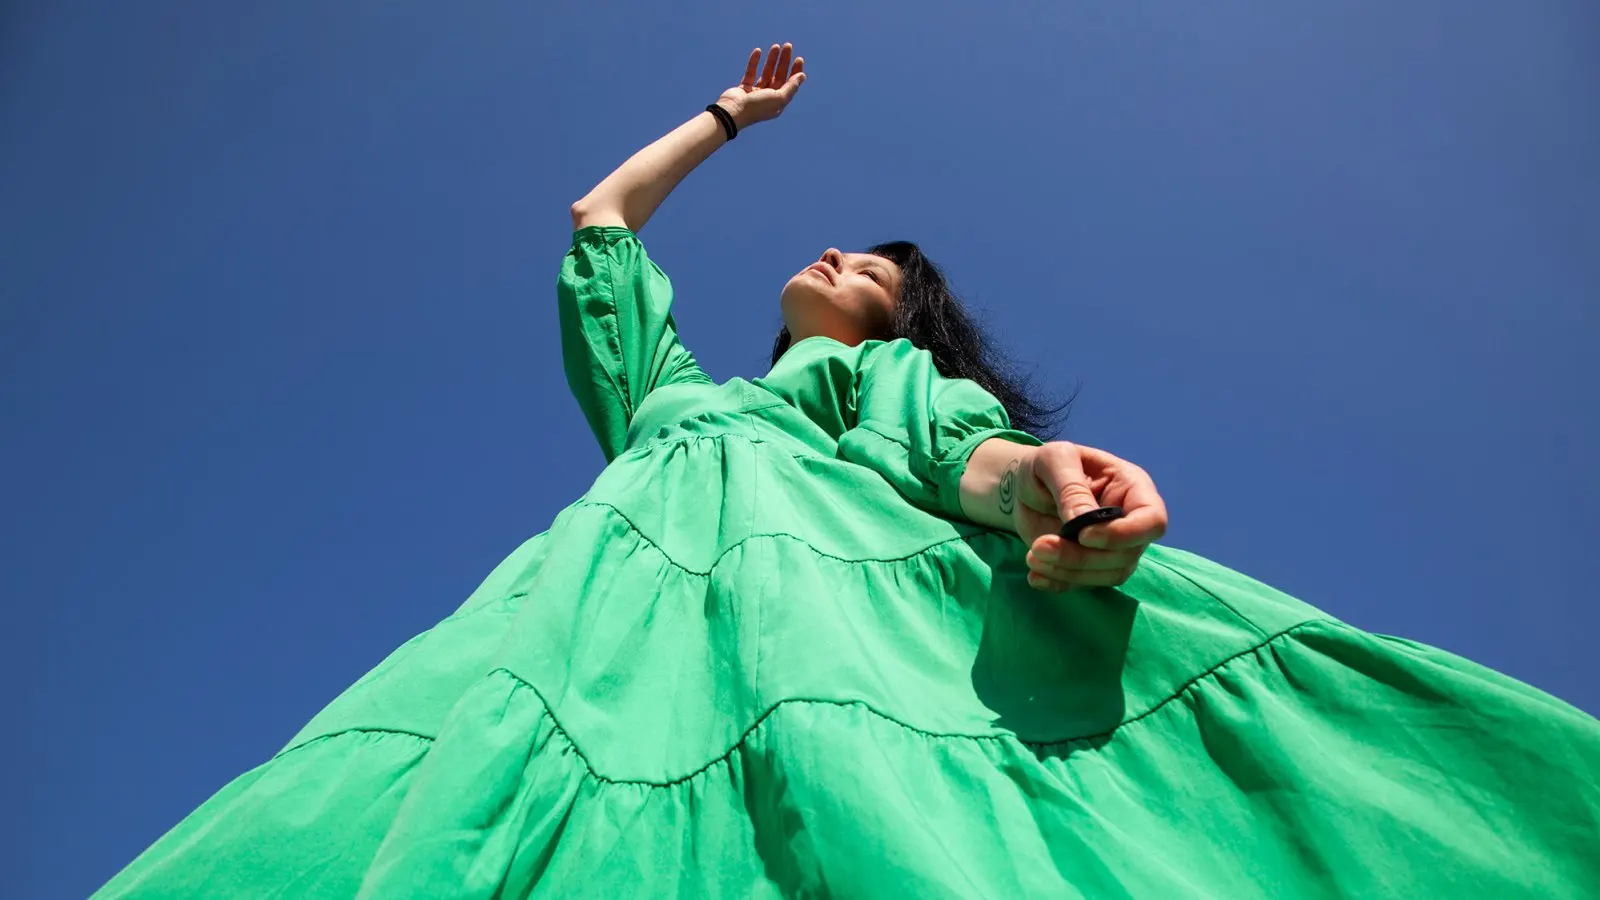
(1092, 517)
(725, 118)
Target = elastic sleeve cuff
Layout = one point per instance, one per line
(954, 465)
(602, 234)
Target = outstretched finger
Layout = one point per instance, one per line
(766, 70)
(793, 85)
(749, 79)
(781, 73)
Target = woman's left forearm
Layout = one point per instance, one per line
(989, 486)
(630, 195)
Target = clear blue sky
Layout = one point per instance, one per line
(278, 346)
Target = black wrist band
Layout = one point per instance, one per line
(725, 118)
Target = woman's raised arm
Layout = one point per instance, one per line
(630, 196)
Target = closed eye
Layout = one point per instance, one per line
(873, 275)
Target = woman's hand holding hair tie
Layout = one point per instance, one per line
(1061, 480)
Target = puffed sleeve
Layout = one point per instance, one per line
(918, 428)
(618, 338)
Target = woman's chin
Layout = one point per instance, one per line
(800, 298)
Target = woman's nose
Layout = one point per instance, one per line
(832, 257)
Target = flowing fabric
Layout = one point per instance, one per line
(765, 656)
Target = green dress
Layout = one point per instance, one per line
(765, 656)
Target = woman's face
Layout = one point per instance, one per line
(849, 297)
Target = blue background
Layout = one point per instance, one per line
(278, 347)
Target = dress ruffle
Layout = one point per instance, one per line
(668, 732)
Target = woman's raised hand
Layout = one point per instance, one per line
(759, 97)
(1062, 480)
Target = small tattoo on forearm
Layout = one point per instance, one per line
(1008, 486)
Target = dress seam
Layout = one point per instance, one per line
(760, 720)
(737, 744)
(401, 732)
(614, 333)
(869, 428)
(1182, 689)
(651, 445)
(772, 534)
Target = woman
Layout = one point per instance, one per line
(814, 634)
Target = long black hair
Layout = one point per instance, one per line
(931, 316)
